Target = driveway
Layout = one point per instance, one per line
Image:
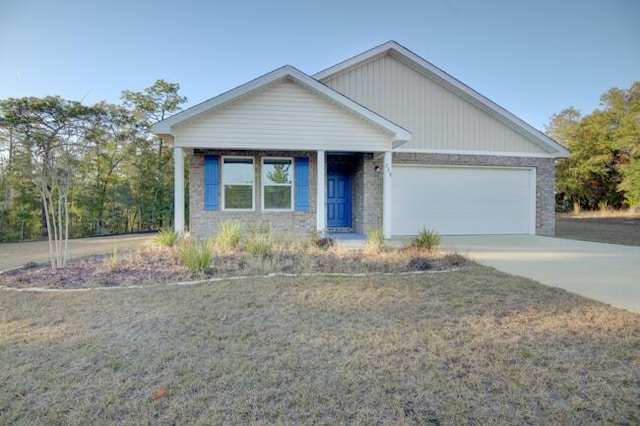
(605, 272)
(13, 255)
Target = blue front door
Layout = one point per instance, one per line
(338, 200)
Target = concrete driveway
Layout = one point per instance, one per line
(13, 255)
(608, 273)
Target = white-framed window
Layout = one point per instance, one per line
(277, 183)
(237, 183)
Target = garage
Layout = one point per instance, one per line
(462, 200)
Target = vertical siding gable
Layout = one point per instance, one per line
(437, 118)
(284, 115)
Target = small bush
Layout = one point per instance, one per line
(229, 235)
(453, 259)
(113, 262)
(258, 229)
(260, 246)
(426, 239)
(375, 240)
(195, 255)
(166, 237)
(325, 243)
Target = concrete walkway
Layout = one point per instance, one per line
(13, 255)
(605, 272)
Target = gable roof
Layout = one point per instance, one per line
(165, 127)
(447, 81)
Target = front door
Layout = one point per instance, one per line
(338, 200)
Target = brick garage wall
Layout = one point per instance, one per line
(373, 191)
(545, 178)
(204, 223)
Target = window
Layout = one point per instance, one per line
(237, 180)
(277, 187)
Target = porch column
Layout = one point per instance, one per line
(178, 190)
(386, 195)
(321, 201)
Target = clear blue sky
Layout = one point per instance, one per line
(533, 57)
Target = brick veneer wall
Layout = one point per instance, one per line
(203, 223)
(545, 178)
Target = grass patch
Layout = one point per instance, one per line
(426, 239)
(195, 255)
(375, 240)
(474, 346)
(228, 236)
(166, 237)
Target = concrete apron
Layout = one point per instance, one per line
(607, 273)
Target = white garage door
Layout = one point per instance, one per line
(463, 200)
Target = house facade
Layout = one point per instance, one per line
(382, 140)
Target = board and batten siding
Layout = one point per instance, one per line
(283, 116)
(437, 118)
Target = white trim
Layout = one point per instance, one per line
(431, 71)
(165, 127)
(178, 190)
(291, 185)
(387, 170)
(321, 198)
(253, 183)
(487, 153)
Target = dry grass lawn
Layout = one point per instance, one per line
(473, 346)
(615, 227)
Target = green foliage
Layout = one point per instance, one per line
(229, 235)
(375, 240)
(260, 246)
(631, 183)
(112, 173)
(195, 255)
(604, 147)
(166, 237)
(426, 239)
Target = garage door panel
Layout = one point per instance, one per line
(462, 200)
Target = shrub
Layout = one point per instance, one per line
(375, 240)
(229, 235)
(319, 240)
(260, 246)
(258, 229)
(195, 255)
(426, 239)
(113, 262)
(166, 237)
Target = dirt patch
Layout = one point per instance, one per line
(614, 230)
(156, 265)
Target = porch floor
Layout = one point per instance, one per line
(350, 240)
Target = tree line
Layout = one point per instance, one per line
(71, 170)
(603, 170)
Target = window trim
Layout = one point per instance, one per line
(290, 185)
(224, 184)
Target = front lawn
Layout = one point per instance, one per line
(471, 346)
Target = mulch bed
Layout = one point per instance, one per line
(157, 265)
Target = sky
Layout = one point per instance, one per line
(533, 58)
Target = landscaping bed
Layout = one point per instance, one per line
(155, 264)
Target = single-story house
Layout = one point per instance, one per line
(382, 140)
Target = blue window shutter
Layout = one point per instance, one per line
(211, 182)
(302, 184)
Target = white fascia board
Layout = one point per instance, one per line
(487, 153)
(400, 135)
(431, 71)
